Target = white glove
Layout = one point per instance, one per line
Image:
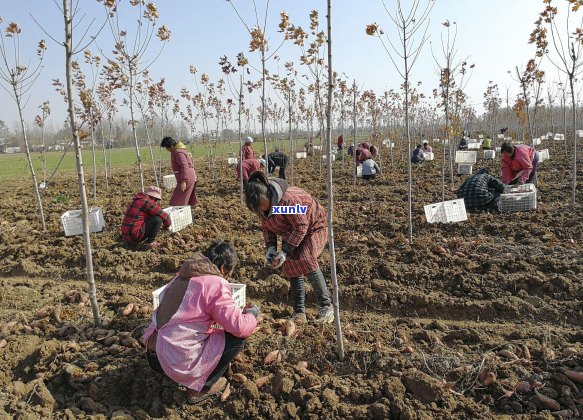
(278, 260)
(271, 252)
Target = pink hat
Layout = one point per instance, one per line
(154, 192)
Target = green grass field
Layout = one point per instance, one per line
(16, 165)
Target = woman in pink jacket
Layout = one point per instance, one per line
(185, 191)
(519, 163)
(180, 341)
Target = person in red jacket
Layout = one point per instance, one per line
(519, 163)
(144, 218)
(340, 142)
(304, 236)
(183, 167)
(249, 166)
(363, 154)
(248, 152)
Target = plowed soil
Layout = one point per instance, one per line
(478, 319)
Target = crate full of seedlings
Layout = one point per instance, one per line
(428, 156)
(464, 169)
(463, 156)
(489, 154)
(72, 221)
(169, 182)
(518, 198)
(446, 212)
(180, 217)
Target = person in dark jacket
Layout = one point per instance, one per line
(144, 218)
(276, 159)
(463, 144)
(417, 156)
(481, 192)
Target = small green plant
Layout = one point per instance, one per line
(61, 198)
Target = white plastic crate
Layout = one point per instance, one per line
(239, 292)
(536, 141)
(428, 156)
(359, 171)
(543, 155)
(474, 146)
(464, 169)
(446, 212)
(180, 216)
(317, 147)
(501, 136)
(436, 140)
(498, 149)
(73, 224)
(559, 137)
(462, 156)
(512, 189)
(232, 160)
(301, 155)
(324, 157)
(471, 141)
(480, 136)
(169, 181)
(489, 154)
(517, 201)
(579, 133)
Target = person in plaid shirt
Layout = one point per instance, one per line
(303, 239)
(144, 218)
(481, 192)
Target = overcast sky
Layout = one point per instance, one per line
(493, 35)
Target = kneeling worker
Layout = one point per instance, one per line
(481, 192)
(144, 218)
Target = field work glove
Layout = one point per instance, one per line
(278, 260)
(253, 310)
(271, 252)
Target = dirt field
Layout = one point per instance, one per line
(467, 332)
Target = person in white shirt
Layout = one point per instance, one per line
(426, 147)
(370, 169)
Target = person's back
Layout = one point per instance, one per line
(369, 167)
(180, 340)
(480, 191)
(417, 156)
(487, 144)
(278, 158)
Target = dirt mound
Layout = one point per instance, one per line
(471, 320)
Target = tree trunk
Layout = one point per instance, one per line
(241, 143)
(409, 169)
(574, 111)
(39, 200)
(134, 133)
(354, 134)
(104, 156)
(80, 177)
(94, 159)
(339, 342)
(263, 105)
(291, 141)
